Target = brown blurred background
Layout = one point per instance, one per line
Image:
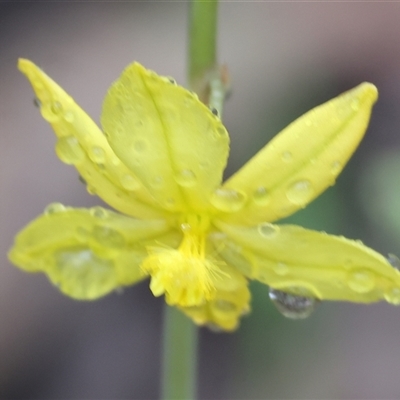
(284, 58)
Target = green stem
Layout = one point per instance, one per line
(180, 336)
(202, 40)
(180, 356)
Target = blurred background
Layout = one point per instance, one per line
(284, 58)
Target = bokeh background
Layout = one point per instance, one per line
(284, 58)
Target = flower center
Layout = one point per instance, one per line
(184, 275)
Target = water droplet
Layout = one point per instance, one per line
(336, 166)
(224, 306)
(171, 80)
(108, 237)
(37, 103)
(261, 196)
(186, 178)
(99, 212)
(214, 328)
(56, 108)
(185, 227)
(361, 280)
(139, 146)
(97, 154)
(54, 208)
(393, 261)
(129, 182)
(228, 200)
(157, 181)
(91, 190)
(69, 116)
(281, 269)
(69, 150)
(308, 122)
(204, 165)
(355, 104)
(214, 111)
(287, 156)
(189, 99)
(267, 230)
(300, 192)
(222, 131)
(293, 306)
(392, 296)
(120, 290)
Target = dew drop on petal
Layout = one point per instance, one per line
(69, 150)
(69, 116)
(267, 230)
(91, 190)
(287, 156)
(292, 306)
(392, 296)
(157, 181)
(97, 155)
(261, 196)
(129, 182)
(224, 306)
(393, 261)
(37, 103)
(140, 146)
(228, 200)
(300, 192)
(361, 280)
(335, 167)
(186, 178)
(99, 212)
(108, 237)
(281, 269)
(54, 208)
(355, 104)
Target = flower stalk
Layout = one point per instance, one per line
(180, 336)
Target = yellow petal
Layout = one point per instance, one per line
(309, 263)
(82, 144)
(86, 253)
(223, 313)
(167, 137)
(304, 159)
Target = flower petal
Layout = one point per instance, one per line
(306, 262)
(82, 144)
(223, 313)
(304, 159)
(87, 253)
(167, 137)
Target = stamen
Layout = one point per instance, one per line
(185, 275)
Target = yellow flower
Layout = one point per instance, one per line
(159, 160)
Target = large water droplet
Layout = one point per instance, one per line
(91, 190)
(361, 280)
(186, 178)
(69, 150)
(293, 306)
(261, 196)
(54, 208)
(108, 237)
(300, 192)
(129, 182)
(228, 200)
(393, 261)
(97, 155)
(267, 230)
(51, 111)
